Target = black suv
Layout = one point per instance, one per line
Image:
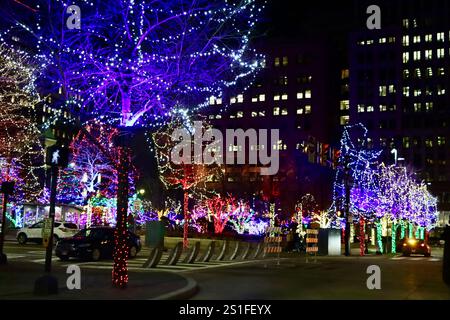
(94, 244)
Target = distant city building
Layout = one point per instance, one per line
(399, 87)
(297, 93)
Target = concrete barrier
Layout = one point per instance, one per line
(175, 254)
(246, 253)
(153, 259)
(223, 251)
(192, 253)
(235, 252)
(257, 251)
(209, 252)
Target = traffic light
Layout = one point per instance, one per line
(336, 153)
(312, 145)
(325, 154)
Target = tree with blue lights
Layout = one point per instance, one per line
(133, 63)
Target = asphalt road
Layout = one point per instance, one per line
(295, 277)
(326, 278)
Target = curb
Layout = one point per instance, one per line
(181, 294)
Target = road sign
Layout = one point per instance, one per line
(272, 241)
(312, 241)
(46, 231)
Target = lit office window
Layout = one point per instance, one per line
(284, 97)
(391, 39)
(406, 23)
(369, 42)
(428, 38)
(440, 53)
(300, 111)
(392, 89)
(416, 39)
(405, 41)
(393, 107)
(440, 37)
(428, 54)
(218, 116)
(345, 105)
(211, 117)
(307, 109)
(262, 97)
(276, 111)
(299, 95)
(429, 143)
(417, 92)
(441, 71)
(254, 114)
(383, 108)
(284, 112)
(219, 100)
(418, 73)
(254, 99)
(345, 74)
(370, 109)
(233, 100)
(285, 61)
(441, 141)
(277, 62)
(345, 120)
(361, 108)
(440, 90)
(416, 55)
(429, 106)
(382, 40)
(276, 97)
(406, 91)
(406, 142)
(383, 91)
(406, 74)
(212, 101)
(405, 57)
(240, 98)
(417, 107)
(262, 113)
(429, 72)
(308, 94)
(240, 114)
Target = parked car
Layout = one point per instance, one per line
(34, 232)
(94, 243)
(416, 246)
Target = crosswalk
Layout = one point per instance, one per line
(430, 259)
(136, 264)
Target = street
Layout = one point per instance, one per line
(293, 277)
(327, 278)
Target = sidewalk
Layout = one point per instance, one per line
(17, 282)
